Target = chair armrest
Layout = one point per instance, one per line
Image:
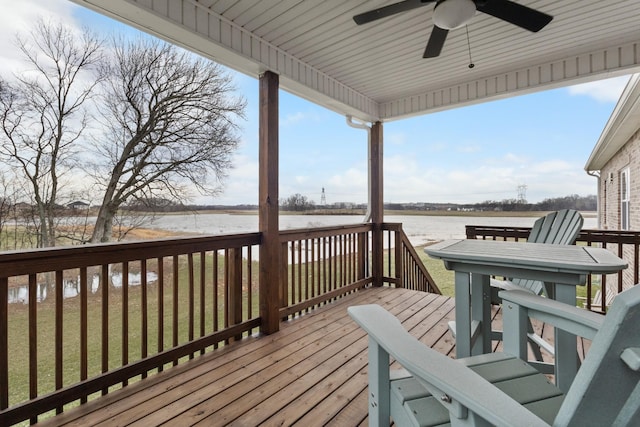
(569, 318)
(442, 376)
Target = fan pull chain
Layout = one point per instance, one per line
(471, 64)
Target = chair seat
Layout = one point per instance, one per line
(412, 404)
(499, 389)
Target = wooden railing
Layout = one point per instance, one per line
(625, 244)
(321, 264)
(134, 308)
(410, 271)
(90, 319)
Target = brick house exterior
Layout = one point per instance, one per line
(615, 161)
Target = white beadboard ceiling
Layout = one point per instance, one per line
(376, 71)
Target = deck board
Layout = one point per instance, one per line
(312, 372)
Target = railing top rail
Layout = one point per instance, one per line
(473, 231)
(609, 236)
(333, 230)
(586, 235)
(15, 263)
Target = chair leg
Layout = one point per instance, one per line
(379, 385)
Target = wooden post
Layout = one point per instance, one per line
(377, 205)
(269, 277)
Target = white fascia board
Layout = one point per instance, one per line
(622, 124)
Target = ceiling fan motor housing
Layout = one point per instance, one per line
(451, 14)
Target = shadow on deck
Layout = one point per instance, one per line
(312, 372)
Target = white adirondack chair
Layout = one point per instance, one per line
(500, 388)
(560, 228)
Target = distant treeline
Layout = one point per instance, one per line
(582, 203)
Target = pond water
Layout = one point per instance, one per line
(71, 287)
(419, 228)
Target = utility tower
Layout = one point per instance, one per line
(522, 193)
(323, 198)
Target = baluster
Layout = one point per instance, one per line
(144, 312)
(84, 328)
(314, 242)
(104, 289)
(59, 333)
(125, 316)
(176, 282)
(203, 265)
(191, 300)
(33, 340)
(226, 290)
(306, 271)
(216, 308)
(235, 282)
(249, 283)
(4, 343)
(160, 268)
(400, 267)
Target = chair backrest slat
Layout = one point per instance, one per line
(561, 228)
(605, 390)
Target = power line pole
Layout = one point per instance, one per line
(522, 193)
(323, 198)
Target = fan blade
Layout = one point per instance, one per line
(516, 14)
(392, 9)
(436, 42)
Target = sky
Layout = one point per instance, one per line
(464, 155)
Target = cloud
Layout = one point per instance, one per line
(23, 15)
(437, 147)
(608, 90)
(469, 148)
(400, 165)
(241, 184)
(554, 166)
(396, 138)
(298, 117)
(347, 186)
(406, 180)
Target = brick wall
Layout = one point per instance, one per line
(627, 157)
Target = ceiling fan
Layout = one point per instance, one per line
(451, 14)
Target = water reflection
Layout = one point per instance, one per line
(71, 287)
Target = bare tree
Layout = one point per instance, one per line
(43, 113)
(170, 124)
(297, 202)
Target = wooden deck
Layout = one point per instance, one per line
(312, 372)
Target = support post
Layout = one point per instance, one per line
(269, 277)
(377, 205)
